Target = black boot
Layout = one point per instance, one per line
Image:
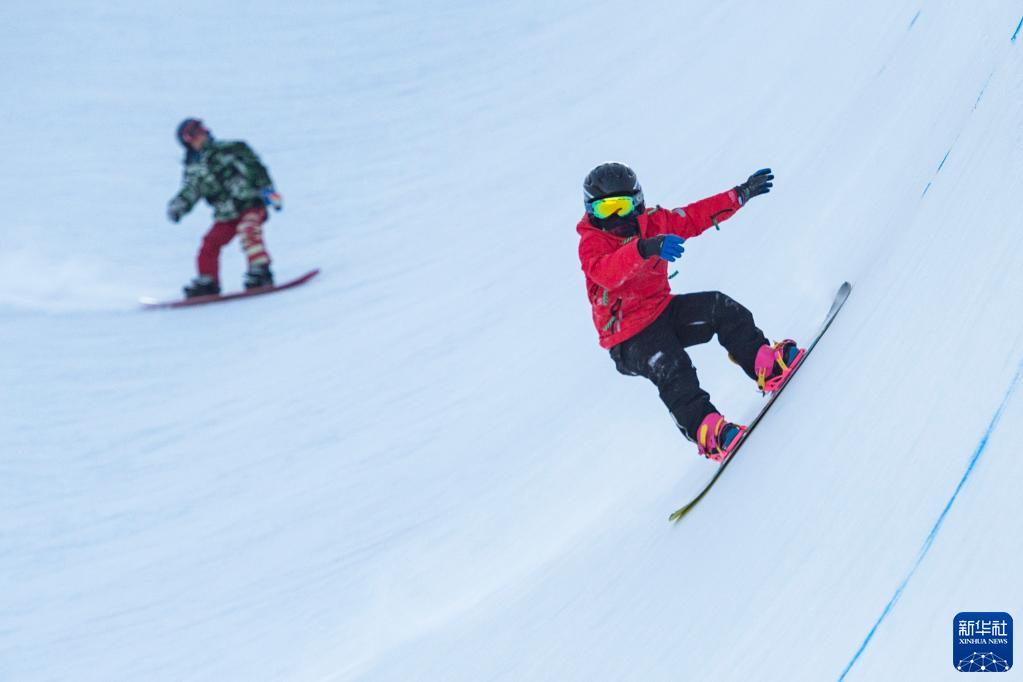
(259, 276)
(203, 285)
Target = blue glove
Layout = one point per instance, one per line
(272, 197)
(665, 246)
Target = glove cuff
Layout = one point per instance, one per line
(648, 247)
(741, 194)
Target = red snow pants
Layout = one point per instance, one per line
(249, 226)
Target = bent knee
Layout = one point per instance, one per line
(722, 298)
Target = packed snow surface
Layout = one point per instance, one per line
(420, 465)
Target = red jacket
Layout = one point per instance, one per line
(628, 293)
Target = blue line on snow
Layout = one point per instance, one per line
(976, 103)
(940, 166)
(980, 94)
(981, 446)
(1016, 32)
(913, 21)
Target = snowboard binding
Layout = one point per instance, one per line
(717, 438)
(203, 285)
(259, 276)
(774, 364)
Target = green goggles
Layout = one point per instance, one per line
(609, 206)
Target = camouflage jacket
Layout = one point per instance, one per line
(227, 174)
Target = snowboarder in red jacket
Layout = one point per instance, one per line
(625, 249)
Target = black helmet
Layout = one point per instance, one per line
(189, 129)
(612, 180)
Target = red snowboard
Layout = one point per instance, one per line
(151, 303)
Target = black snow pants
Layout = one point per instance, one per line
(658, 352)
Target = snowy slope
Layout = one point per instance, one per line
(421, 466)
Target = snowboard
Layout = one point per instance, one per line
(150, 303)
(840, 298)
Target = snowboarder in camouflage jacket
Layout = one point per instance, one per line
(231, 178)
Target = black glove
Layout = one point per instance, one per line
(758, 183)
(666, 246)
(176, 208)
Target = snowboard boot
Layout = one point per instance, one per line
(203, 285)
(716, 438)
(773, 364)
(259, 276)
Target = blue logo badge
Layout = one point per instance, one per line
(982, 642)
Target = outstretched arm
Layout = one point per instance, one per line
(696, 218)
(186, 197)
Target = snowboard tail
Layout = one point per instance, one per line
(840, 298)
(149, 303)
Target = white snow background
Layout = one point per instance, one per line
(421, 465)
